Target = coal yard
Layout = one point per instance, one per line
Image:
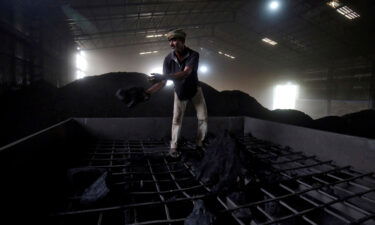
(189, 112)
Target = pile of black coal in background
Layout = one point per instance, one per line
(41, 105)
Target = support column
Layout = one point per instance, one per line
(12, 70)
(372, 86)
(330, 87)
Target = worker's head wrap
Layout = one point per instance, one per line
(177, 34)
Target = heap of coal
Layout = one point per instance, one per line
(37, 107)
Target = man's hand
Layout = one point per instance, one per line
(132, 96)
(156, 78)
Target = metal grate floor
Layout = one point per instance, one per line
(158, 191)
(150, 189)
(309, 191)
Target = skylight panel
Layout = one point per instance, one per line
(226, 55)
(154, 35)
(343, 9)
(348, 12)
(269, 41)
(147, 53)
(334, 4)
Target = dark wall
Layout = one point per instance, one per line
(337, 90)
(34, 170)
(36, 44)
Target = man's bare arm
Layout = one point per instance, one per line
(175, 76)
(156, 87)
(181, 75)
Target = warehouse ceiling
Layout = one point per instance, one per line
(307, 32)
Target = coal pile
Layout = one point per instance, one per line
(89, 184)
(360, 124)
(290, 116)
(39, 106)
(335, 124)
(223, 164)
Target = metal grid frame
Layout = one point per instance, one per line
(154, 184)
(310, 191)
(306, 190)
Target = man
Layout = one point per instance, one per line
(181, 66)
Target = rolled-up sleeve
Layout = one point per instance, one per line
(193, 61)
(166, 69)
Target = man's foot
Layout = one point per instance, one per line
(174, 153)
(200, 151)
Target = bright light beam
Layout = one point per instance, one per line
(160, 70)
(81, 65)
(285, 96)
(203, 69)
(81, 62)
(274, 5)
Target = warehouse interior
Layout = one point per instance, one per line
(293, 81)
(325, 50)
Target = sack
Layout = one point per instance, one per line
(132, 96)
